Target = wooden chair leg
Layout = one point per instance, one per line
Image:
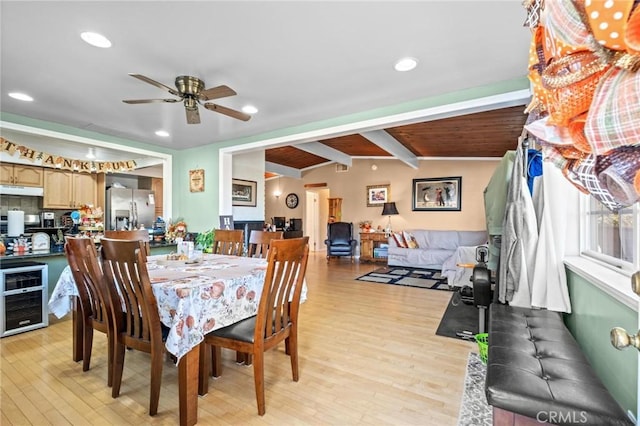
(258, 378)
(156, 380)
(87, 344)
(118, 366)
(216, 361)
(292, 341)
(110, 351)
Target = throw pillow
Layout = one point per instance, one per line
(410, 240)
(398, 238)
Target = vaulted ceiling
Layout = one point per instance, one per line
(482, 134)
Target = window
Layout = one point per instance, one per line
(611, 238)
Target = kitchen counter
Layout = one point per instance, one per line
(57, 261)
(29, 255)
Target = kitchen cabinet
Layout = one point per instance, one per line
(156, 187)
(21, 175)
(64, 189)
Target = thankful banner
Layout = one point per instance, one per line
(59, 162)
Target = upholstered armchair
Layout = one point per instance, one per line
(340, 240)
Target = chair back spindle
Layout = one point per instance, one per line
(228, 241)
(259, 242)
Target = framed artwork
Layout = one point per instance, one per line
(243, 192)
(377, 195)
(196, 180)
(434, 194)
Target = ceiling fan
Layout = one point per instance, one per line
(191, 91)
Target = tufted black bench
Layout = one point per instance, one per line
(536, 373)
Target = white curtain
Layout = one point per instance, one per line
(549, 286)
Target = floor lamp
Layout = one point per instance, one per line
(389, 209)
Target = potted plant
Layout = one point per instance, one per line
(204, 240)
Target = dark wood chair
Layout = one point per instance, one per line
(259, 242)
(276, 320)
(95, 311)
(138, 327)
(228, 241)
(134, 234)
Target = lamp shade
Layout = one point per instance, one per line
(389, 209)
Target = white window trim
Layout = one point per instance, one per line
(614, 283)
(612, 277)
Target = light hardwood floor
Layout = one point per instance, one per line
(368, 355)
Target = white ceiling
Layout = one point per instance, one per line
(299, 62)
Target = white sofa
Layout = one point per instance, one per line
(441, 250)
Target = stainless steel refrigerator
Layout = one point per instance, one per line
(129, 208)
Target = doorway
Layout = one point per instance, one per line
(316, 211)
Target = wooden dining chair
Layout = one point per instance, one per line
(95, 311)
(276, 320)
(259, 242)
(134, 234)
(134, 310)
(228, 241)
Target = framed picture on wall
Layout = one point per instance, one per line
(196, 180)
(377, 195)
(243, 192)
(434, 194)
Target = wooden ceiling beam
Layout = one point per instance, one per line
(390, 144)
(324, 151)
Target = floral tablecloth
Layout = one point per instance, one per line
(193, 299)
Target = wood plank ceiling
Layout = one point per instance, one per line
(483, 134)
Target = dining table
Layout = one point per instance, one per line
(193, 299)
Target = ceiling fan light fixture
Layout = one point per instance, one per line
(21, 96)
(162, 133)
(406, 64)
(95, 39)
(249, 109)
(190, 103)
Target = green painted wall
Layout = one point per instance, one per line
(198, 209)
(594, 314)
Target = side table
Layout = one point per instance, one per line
(373, 247)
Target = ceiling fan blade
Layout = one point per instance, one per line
(193, 116)
(217, 92)
(155, 83)
(227, 111)
(149, 101)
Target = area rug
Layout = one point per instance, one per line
(412, 277)
(459, 321)
(474, 410)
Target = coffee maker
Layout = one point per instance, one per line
(48, 219)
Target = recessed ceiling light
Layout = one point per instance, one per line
(95, 39)
(249, 109)
(21, 96)
(162, 133)
(406, 64)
